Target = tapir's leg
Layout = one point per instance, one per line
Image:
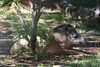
(70, 52)
(55, 48)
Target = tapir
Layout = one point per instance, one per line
(76, 13)
(64, 35)
(64, 6)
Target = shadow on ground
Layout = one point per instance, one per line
(5, 38)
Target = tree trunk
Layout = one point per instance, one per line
(35, 17)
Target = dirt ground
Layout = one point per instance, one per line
(7, 60)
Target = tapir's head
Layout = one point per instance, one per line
(67, 34)
(73, 36)
(97, 12)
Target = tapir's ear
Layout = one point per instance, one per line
(69, 25)
(67, 28)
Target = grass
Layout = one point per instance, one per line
(66, 61)
(85, 61)
(77, 61)
(53, 16)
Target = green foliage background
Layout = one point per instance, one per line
(3, 1)
(84, 3)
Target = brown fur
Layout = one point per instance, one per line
(55, 48)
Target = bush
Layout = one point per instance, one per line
(3, 1)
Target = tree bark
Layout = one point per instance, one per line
(35, 17)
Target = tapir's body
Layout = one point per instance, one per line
(64, 35)
(75, 12)
(64, 6)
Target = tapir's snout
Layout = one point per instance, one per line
(82, 43)
(79, 40)
(82, 40)
(99, 14)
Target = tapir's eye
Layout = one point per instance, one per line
(99, 15)
(75, 36)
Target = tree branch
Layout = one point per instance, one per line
(39, 5)
(19, 12)
(32, 4)
(42, 10)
